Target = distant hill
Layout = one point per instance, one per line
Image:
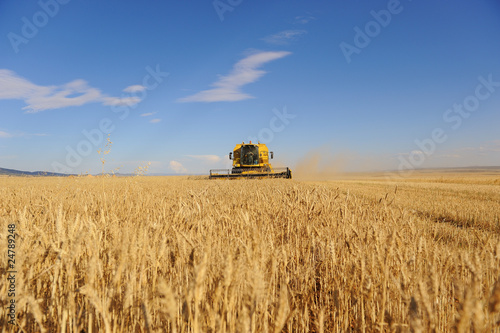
(12, 172)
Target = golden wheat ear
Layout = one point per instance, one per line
(494, 301)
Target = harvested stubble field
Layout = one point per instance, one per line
(177, 254)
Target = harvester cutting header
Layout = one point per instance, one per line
(251, 160)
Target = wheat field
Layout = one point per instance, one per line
(185, 254)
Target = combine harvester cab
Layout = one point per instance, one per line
(251, 161)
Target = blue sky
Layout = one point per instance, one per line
(368, 85)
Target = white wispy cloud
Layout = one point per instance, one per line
(228, 87)
(488, 146)
(304, 19)
(120, 101)
(284, 37)
(491, 146)
(177, 167)
(134, 88)
(206, 158)
(149, 114)
(5, 135)
(39, 98)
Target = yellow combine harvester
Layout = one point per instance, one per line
(251, 160)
